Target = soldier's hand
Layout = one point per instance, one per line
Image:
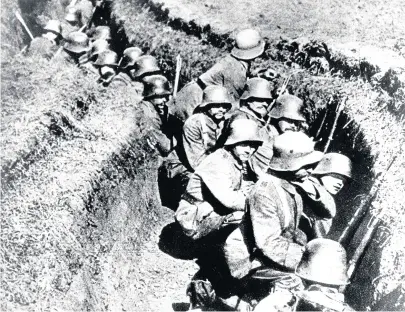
(151, 142)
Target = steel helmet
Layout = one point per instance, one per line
(288, 106)
(243, 130)
(334, 163)
(324, 261)
(99, 46)
(130, 56)
(248, 45)
(146, 64)
(156, 85)
(76, 42)
(257, 88)
(292, 151)
(73, 15)
(54, 26)
(107, 58)
(215, 95)
(100, 32)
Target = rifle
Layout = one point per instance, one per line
(339, 111)
(177, 77)
(281, 92)
(21, 20)
(364, 206)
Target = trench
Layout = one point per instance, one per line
(127, 230)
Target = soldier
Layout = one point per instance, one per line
(254, 104)
(157, 124)
(100, 33)
(330, 174)
(287, 114)
(73, 18)
(268, 245)
(125, 76)
(230, 72)
(47, 44)
(202, 130)
(85, 7)
(106, 63)
(323, 270)
(76, 46)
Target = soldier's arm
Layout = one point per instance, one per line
(217, 179)
(193, 143)
(267, 231)
(214, 76)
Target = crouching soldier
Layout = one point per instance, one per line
(156, 124)
(230, 72)
(106, 63)
(323, 270)
(331, 174)
(47, 45)
(75, 48)
(126, 70)
(199, 139)
(254, 104)
(214, 201)
(263, 252)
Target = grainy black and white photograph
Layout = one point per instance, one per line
(202, 155)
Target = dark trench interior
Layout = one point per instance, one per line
(348, 140)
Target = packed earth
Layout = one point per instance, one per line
(201, 155)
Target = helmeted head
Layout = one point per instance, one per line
(257, 95)
(53, 30)
(288, 113)
(129, 57)
(107, 62)
(324, 261)
(73, 16)
(333, 170)
(248, 45)
(243, 139)
(215, 103)
(143, 66)
(293, 151)
(100, 32)
(76, 42)
(98, 47)
(157, 90)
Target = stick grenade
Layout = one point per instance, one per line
(330, 138)
(19, 17)
(177, 77)
(364, 206)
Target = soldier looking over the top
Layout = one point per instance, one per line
(100, 32)
(202, 130)
(230, 72)
(47, 44)
(74, 21)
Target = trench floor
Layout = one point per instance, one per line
(166, 277)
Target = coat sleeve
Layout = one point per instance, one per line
(218, 180)
(267, 231)
(322, 203)
(193, 143)
(214, 76)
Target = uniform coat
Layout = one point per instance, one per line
(200, 136)
(160, 129)
(122, 79)
(214, 191)
(268, 236)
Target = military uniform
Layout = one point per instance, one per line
(122, 79)
(159, 128)
(229, 72)
(200, 135)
